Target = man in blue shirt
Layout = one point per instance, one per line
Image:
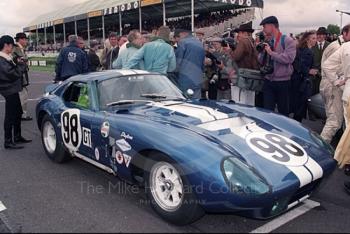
(190, 56)
(157, 55)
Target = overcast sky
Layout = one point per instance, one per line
(294, 15)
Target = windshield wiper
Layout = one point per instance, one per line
(153, 96)
(120, 103)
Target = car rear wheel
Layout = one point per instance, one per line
(53, 149)
(170, 193)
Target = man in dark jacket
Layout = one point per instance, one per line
(10, 85)
(71, 61)
(109, 55)
(94, 60)
(318, 50)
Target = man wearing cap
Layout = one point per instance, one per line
(318, 51)
(19, 53)
(11, 75)
(190, 58)
(282, 50)
(156, 56)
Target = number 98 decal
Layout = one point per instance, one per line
(278, 149)
(71, 129)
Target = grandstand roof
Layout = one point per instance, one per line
(93, 8)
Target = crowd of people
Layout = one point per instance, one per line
(274, 71)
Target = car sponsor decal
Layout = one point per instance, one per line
(123, 159)
(105, 129)
(71, 129)
(126, 136)
(97, 154)
(123, 145)
(87, 137)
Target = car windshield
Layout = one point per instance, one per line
(132, 89)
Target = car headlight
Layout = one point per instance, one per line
(318, 139)
(242, 179)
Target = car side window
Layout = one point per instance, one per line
(77, 94)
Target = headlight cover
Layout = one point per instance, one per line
(242, 179)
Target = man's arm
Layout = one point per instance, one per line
(85, 62)
(238, 53)
(59, 63)
(180, 54)
(136, 58)
(172, 61)
(118, 63)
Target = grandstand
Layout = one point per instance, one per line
(94, 19)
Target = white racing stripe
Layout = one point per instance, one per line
(303, 175)
(288, 217)
(2, 207)
(315, 169)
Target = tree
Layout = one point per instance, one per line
(333, 29)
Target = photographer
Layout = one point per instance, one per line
(280, 53)
(226, 66)
(11, 74)
(19, 53)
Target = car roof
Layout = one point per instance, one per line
(105, 75)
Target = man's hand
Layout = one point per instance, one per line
(268, 48)
(313, 72)
(339, 82)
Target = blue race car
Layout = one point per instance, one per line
(192, 156)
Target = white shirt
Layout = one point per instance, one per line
(329, 51)
(320, 45)
(337, 65)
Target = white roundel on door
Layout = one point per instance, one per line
(71, 129)
(278, 149)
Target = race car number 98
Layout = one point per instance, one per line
(277, 148)
(71, 129)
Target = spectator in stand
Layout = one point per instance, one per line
(318, 50)
(94, 60)
(11, 75)
(200, 34)
(19, 52)
(71, 61)
(331, 94)
(282, 50)
(190, 58)
(135, 43)
(301, 82)
(110, 54)
(158, 55)
(227, 69)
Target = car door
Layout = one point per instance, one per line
(76, 119)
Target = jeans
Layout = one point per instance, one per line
(277, 93)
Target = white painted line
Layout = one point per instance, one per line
(2, 207)
(286, 218)
(29, 100)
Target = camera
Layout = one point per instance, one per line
(261, 47)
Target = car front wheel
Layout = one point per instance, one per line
(170, 193)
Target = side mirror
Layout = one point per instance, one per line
(190, 93)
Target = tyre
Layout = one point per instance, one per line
(53, 149)
(170, 193)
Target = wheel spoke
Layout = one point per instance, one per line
(167, 173)
(176, 197)
(178, 188)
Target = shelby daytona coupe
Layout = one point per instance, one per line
(192, 156)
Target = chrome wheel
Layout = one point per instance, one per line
(166, 186)
(49, 137)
